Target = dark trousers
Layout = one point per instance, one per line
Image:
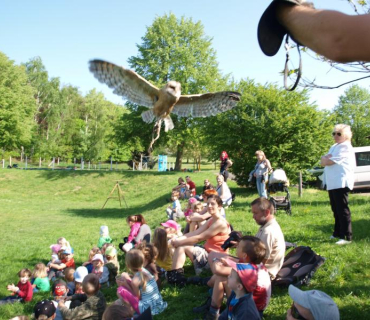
(342, 214)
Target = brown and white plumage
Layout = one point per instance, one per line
(161, 102)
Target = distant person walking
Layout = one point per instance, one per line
(261, 171)
(339, 166)
(225, 164)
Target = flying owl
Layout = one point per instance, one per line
(162, 102)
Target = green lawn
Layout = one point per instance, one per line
(37, 207)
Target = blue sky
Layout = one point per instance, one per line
(67, 34)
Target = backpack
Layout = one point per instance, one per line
(298, 268)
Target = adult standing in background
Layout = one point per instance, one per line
(225, 164)
(339, 166)
(261, 171)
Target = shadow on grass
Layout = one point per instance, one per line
(126, 174)
(118, 213)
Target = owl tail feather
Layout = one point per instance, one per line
(168, 124)
(148, 116)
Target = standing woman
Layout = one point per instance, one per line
(261, 171)
(339, 166)
(225, 164)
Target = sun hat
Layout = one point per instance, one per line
(44, 307)
(80, 274)
(319, 303)
(104, 230)
(99, 257)
(111, 251)
(270, 32)
(248, 274)
(55, 248)
(171, 224)
(192, 200)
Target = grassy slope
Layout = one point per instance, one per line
(37, 207)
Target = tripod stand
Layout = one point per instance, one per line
(120, 194)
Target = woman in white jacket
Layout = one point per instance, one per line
(339, 166)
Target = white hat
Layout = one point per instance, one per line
(80, 274)
(319, 303)
(98, 256)
(104, 230)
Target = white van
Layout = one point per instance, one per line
(362, 170)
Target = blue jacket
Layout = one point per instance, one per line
(244, 309)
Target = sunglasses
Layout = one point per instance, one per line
(295, 313)
(336, 133)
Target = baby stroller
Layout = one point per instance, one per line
(278, 182)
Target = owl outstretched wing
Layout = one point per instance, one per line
(205, 105)
(126, 83)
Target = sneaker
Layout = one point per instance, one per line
(342, 242)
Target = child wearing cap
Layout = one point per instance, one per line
(55, 248)
(44, 310)
(92, 253)
(111, 263)
(104, 236)
(311, 304)
(172, 228)
(23, 291)
(79, 276)
(240, 305)
(93, 301)
(100, 270)
(67, 261)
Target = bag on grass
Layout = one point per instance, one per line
(298, 268)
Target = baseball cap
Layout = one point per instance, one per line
(80, 274)
(67, 251)
(319, 303)
(98, 256)
(248, 274)
(44, 307)
(270, 32)
(171, 224)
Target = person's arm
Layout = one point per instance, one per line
(268, 165)
(133, 231)
(229, 163)
(335, 35)
(325, 160)
(58, 266)
(81, 312)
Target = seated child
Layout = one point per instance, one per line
(197, 210)
(60, 292)
(111, 263)
(44, 310)
(242, 281)
(189, 208)
(165, 251)
(174, 212)
(23, 291)
(79, 276)
(93, 301)
(100, 270)
(92, 253)
(140, 291)
(118, 312)
(252, 250)
(40, 281)
(55, 248)
(69, 278)
(56, 270)
(104, 236)
(150, 255)
(139, 231)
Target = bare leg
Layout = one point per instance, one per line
(218, 291)
(179, 256)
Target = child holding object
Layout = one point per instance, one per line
(139, 231)
(23, 291)
(140, 291)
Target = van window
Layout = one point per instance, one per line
(363, 158)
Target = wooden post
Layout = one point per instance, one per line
(40, 162)
(53, 163)
(26, 162)
(89, 165)
(82, 163)
(10, 160)
(300, 184)
(111, 163)
(3, 163)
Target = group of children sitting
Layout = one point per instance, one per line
(77, 295)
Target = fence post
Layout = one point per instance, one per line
(82, 163)
(3, 163)
(300, 184)
(111, 163)
(26, 162)
(53, 163)
(89, 165)
(10, 160)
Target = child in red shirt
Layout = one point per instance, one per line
(67, 261)
(23, 291)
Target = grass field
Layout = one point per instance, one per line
(37, 207)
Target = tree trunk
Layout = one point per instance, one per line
(179, 153)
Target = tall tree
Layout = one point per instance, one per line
(292, 133)
(17, 105)
(175, 49)
(354, 109)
